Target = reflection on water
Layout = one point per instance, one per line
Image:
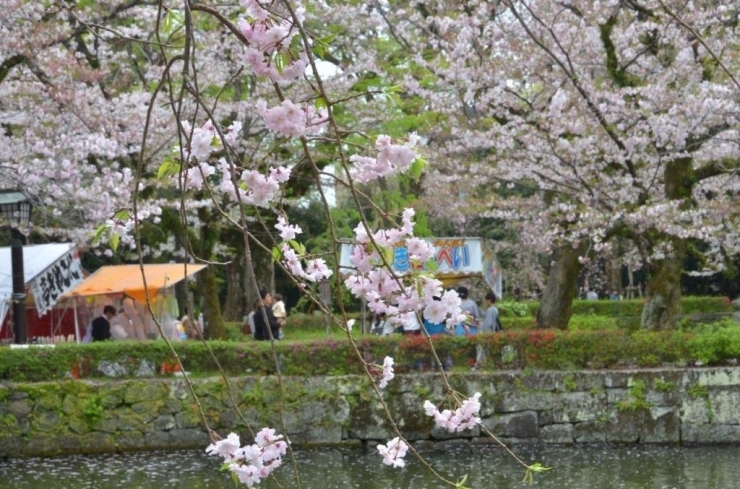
(584, 467)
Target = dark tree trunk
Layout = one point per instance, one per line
(560, 290)
(235, 305)
(663, 291)
(214, 329)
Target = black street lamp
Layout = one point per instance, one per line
(16, 210)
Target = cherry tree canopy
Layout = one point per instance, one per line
(624, 113)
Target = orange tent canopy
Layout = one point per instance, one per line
(127, 279)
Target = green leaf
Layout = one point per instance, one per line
(122, 215)
(169, 167)
(114, 240)
(173, 21)
(281, 61)
(328, 39)
(531, 470)
(431, 265)
(318, 50)
(392, 94)
(461, 483)
(320, 103)
(538, 467)
(298, 247)
(276, 253)
(417, 166)
(99, 231)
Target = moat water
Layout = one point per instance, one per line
(485, 467)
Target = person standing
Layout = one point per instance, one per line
(264, 318)
(101, 324)
(278, 309)
(490, 320)
(470, 309)
(249, 327)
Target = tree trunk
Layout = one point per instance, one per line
(560, 290)
(235, 304)
(214, 328)
(663, 291)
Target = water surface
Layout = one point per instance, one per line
(486, 467)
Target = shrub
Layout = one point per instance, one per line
(592, 323)
(715, 343)
(517, 309)
(577, 348)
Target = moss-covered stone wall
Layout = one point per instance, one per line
(632, 406)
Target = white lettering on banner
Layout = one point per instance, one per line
(50, 284)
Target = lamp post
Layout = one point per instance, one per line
(16, 209)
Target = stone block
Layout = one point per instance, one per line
(188, 438)
(663, 426)
(557, 433)
(724, 405)
(718, 376)
(589, 432)
(626, 426)
(157, 440)
(515, 425)
(94, 443)
(165, 422)
(695, 410)
(710, 433)
(515, 401)
(576, 407)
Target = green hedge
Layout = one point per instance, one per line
(512, 349)
(624, 308)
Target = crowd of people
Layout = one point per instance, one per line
(132, 321)
(268, 315)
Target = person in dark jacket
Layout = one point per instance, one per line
(101, 324)
(261, 333)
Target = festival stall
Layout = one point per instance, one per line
(50, 270)
(456, 259)
(126, 288)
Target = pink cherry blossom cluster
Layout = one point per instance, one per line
(270, 36)
(263, 189)
(291, 119)
(394, 452)
(258, 189)
(251, 463)
(205, 139)
(391, 158)
(316, 268)
(398, 295)
(462, 418)
(387, 372)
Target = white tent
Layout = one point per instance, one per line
(49, 271)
